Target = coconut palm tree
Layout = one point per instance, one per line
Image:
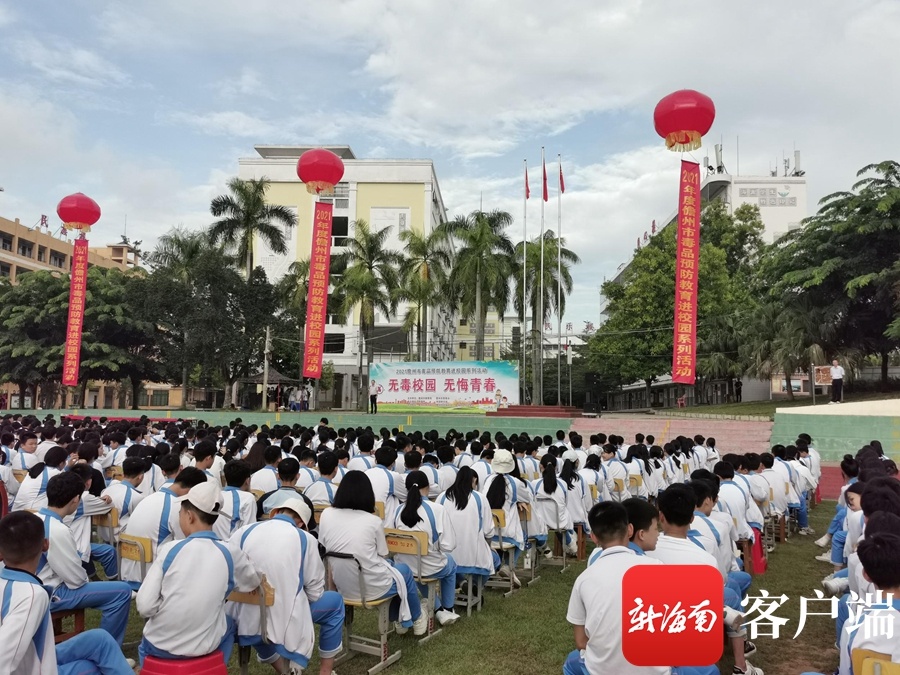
(482, 268)
(370, 280)
(424, 280)
(244, 215)
(543, 301)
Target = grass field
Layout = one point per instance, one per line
(767, 408)
(527, 633)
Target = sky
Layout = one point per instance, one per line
(148, 106)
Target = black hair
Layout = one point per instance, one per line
(415, 481)
(593, 462)
(386, 456)
(190, 476)
(849, 466)
(328, 462)
(462, 487)
(237, 471)
(608, 521)
(724, 470)
(568, 474)
(879, 555)
(21, 537)
(879, 499)
(496, 493)
(133, 466)
(548, 474)
(412, 460)
(703, 490)
(272, 454)
(208, 519)
(641, 513)
(63, 488)
(169, 463)
(288, 468)
(54, 458)
(84, 471)
(677, 503)
(203, 450)
(355, 492)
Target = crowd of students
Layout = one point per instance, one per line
(223, 507)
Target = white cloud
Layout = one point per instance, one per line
(225, 123)
(66, 63)
(247, 83)
(7, 16)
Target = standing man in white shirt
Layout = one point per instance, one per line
(373, 397)
(837, 382)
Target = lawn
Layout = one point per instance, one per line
(767, 408)
(528, 634)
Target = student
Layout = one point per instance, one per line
(644, 520)
(25, 457)
(779, 489)
(124, 494)
(595, 606)
(278, 548)
(306, 471)
(207, 460)
(506, 491)
(469, 516)
(116, 453)
(550, 505)
(239, 506)
(7, 476)
(413, 462)
(638, 471)
(266, 479)
(80, 525)
(321, 492)
(183, 596)
(594, 473)
(447, 472)
(157, 519)
(61, 570)
(364, 460)
(463, 456)
(482, 467)
(615, 471)
(26, 633)
(387, 485)
(351, 527)
(735, 501)
(419, 515)
(579, 501)
(32, 493)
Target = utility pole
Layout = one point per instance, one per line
(266, 355)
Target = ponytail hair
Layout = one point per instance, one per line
(568, 473)
(54, 457)
(496, 494)
(548, 462)
(415, 481)
(462, 487)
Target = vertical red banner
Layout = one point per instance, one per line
(317, 298)
(687, 267)
(77, 291)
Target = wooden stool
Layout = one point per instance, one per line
(746, 548)
(61, 635)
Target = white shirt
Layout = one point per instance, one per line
(153, 480)
(9, 481)
(62, 562)
(552, 508)
(675, 551)
(516, 492)
(306, 477)
(32, 493)
(596, 604)
(266, 479)
(361, 463)
(737, 503)
(124, 498)
(616, 469)
(373, 389)
(156, 518)
(446, 477)
(321, 493)
(389, 488)
(482, 469)
(472, 529)
(441, 538)
(878, 640)
(238, 510)
(183, 596)
(837, 372)
(80, 521)
(778, 491)
(26, 615)
(361, 535)
(712, 531)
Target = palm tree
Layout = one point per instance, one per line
(244, 215)
(370, 279)
(543, 300)
(424, 274)
(482, 268)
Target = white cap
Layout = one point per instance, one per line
(503, 461)
(570, 455)
(205, 496)
(282, 499)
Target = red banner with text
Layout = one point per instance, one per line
(77, 292)
(687, 267)
(317, 298)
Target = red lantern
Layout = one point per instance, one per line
(682, 118)
(78, 212)
(321, 170)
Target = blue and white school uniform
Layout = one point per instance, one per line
(580, 501)
(437, 563)
(463, 459)
(114, 457)
(616, 470)
(124, 498)
(447, 476)
(80, 524)
(516, 492)
(23, 460)
(389, 488)
(473, 528)
(9, 481)
(266, 479)
(238, 510)
(532, 468)
(361, 462)
(341, 472)
(636, 468)
(482, 469)
(32, 494)
(552, 509)
(306, 477)
(156, 518)
(598, 479)
(434, 479)
(321, 493)
(183, 597)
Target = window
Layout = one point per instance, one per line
(488, 351)
(157, 398)
(463, 322)
(340, 198)
(6, 242)
(463, 345)
(42, 254)
(26, 248)
(334, 343)
(490, 328)
(5, 270)
(57, 259)
(340, 229)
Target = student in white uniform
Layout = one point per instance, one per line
(61, 569)
(277, 548)
(468, 514)
(25, 457)
(80, 525)
(616, 474)
(447, 471)
(10, 482)
(116, 453)
(463, 456)
(26, 633)
(594, 474)
(206, 458)
(550, 499)
(266, 479)
(735, 500)
(239, 506)
(183, 596)
(482, 466)
(351, 528)
(420, 515)
(413, 462)
(124, 494)
(306, 471)
(321, 492)
(638, 472)
(364, 460)
(579, 502)
(387, 484)
(595, 606)
(32, 494)
(507, 492)
(157, 519)
(153, 474)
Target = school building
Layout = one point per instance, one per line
(397, 193)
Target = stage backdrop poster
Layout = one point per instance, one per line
(447, 385)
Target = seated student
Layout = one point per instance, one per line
(387, 484)
(61, 568)
(579, 501)
(594, 473)
(795, 497)
(644, 520)
(170, 465)
(32, 493)
(364, 460)
(306, 471)
(80, 524)
(351, 527)
(482, 466)
(116, 453)
(676, 546)
(157, 519)
(206, 458)
(506, 490)
(25, 457)
(276, 548)
(321, 491)
(419, 515)
(779, 487)
(123, 492)
(413, 462)
(7, 477)
(183, 596)
(153, 475)
(595, 606)
(550, 505)
(447, 471)
(616, 471)
(288, 473)
(343, 458)
(239, 507)
(26, 633)
(266, 479)
(88, 455)
(638, 471)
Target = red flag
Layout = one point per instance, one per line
(562, 183)
(546, 194)
(317, 293)
(687, 258)
(527, 189)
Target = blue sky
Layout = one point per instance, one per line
(147, 106)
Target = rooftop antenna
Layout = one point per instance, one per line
(738, 156)
(798, 171)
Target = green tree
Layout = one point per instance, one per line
(484, 263)
(424, 277)
(244, 215)
(739, 235)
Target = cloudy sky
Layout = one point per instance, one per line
(147, 106)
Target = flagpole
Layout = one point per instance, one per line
(541, 284)
(524, 278)
(559, 283)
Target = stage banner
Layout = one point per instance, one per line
(75, 325)
(446, 385)
(317, 297)
(687, 266)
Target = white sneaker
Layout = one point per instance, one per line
(825, 557)
(572, 550)
(399, 629)
(824, 541)
(131, 663)
(836, 587)
(733, 619)
(420, 625)
(446, 616)
(548, 553)
(750, 670)
(806, 531)
(504, 571)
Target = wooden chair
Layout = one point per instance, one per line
(357, 644)
(619, 489)
(416, 543)
(264, 596)
(379, 509)
(868, 662)
(138, 549)
(107, 522)
(114, 473)
(560, 555)
(635, 481)
(595, 493)
(257, 494)
(57, 618)
(507, 556)
(20, 474)
(746, 548)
